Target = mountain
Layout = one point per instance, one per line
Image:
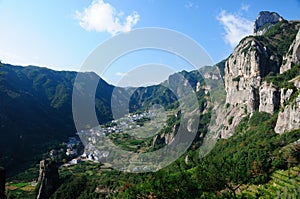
(253, 72)
(255, 153)
(36, 110)
(265, 20)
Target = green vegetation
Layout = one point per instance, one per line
(221, 67)
(283, 184)
(265, 26)
(227, 105)
(283, 80)
(230, 120)
(38, 110)
(236, 79)
(246, 49)
(36, 113)
(279, 37)
(254, 163)
(129, 143)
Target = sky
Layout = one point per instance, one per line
(61, 34)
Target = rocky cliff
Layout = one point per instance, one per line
(48, 179)
(289, 118)
(246, 68)
(269, 98)
(244, 71)
(293, 55)
(264, 21)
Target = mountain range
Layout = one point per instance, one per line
(257, 131)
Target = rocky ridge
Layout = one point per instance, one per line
(48, 179)
(264, 21)
(293, 55)
(289, 119)
(245, 70)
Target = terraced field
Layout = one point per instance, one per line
(284, 184)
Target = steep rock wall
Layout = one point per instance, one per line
(293, 55)
(244, 70)
(289, 119)
(48, 179)
(269, 98)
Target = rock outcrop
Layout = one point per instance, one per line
(264, 21)
(234, 114)
(165, 138)
(269, 98)
(285, 95)
(289, 119)
(293, 55)
(2, 183)
(48, 179)
(244, 70)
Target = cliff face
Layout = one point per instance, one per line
(48, 179)
(289, 119)
(252, 60)
(293, 55)
(243, 73)
(264, 21)
(244, 70)
(269, 98)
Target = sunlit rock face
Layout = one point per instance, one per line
(293, 55)
(264, 21)
(269, 98)
(244, 71)
(289, 119)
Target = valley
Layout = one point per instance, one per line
(239, 139)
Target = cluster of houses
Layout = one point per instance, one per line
(94, 135)
(68, 151)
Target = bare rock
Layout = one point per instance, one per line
(158, 140)
(48, 179)
(269, 98)
(265, 20)
(244, 70)
(289, 119)
(285, 95)
(293, 55)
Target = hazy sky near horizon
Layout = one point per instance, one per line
(60, 34)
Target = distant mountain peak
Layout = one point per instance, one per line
(265, 20)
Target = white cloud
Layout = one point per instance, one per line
(121, 74)
(190, 4)
(102, 17)
(14, 59)
(245, 7)
(236, 27)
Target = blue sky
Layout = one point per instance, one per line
(60, 34)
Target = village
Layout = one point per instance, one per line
(72, 152)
